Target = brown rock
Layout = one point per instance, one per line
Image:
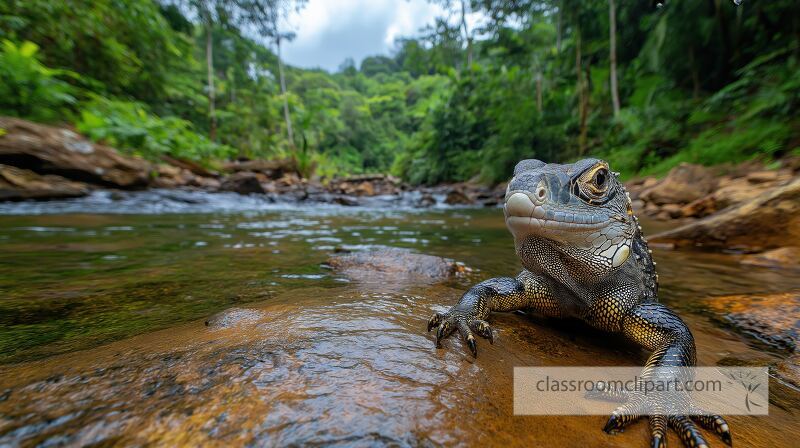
(365, 188)
(735, 191)
(765, 222)
(243, 183)
(395, 264)
(457, 197)
(273, 169)
(758, 177)
(52, 150)
(673, 210)
(193, 167)
(426, 200)
(785, 257)
(17, 184)
(701, 207)
(773, 318)
(683, 184)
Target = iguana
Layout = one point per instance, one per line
(584, 256)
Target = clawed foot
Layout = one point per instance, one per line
(685, 426)
(447, 323)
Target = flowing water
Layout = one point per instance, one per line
(106, 336)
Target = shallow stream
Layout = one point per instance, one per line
(103, 335)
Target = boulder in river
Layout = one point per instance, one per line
(243, 182)
(53, 150)
(768, 221)
(395, 264)
(17, 184)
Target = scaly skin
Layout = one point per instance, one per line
(585, 256)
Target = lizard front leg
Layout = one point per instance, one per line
(526, 292)
(655, 327)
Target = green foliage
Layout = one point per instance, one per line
(131, 127)
(30, 90)
(700, 82)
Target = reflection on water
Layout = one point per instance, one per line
(105, 333)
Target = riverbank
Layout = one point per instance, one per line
(744, 208)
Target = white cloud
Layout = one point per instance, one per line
(329, 31)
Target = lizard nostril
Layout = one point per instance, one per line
(541, 192)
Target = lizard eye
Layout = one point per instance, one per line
(600, 178)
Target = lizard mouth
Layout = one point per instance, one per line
(526, 213)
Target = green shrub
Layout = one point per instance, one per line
(129, 126)
(30, 90)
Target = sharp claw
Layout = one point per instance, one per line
(658, 442)
(434, 321)
(442, 333)
(612, 424)
(472, 346)
(658, 430)
(726, 437)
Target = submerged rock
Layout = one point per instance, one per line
(52, 150)
(17, 184)
(768, 221)
(771, 318)
(395, 264)
(784, 258)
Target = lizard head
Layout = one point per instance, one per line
(581, 209)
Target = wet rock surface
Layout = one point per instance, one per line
(395, 264)
(771, 318)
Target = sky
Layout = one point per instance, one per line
(330, 31)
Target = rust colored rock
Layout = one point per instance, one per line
(17, 184)
(395, 264)
(52, 150)
(773, 318)
(784, 258)
(700, 208)
(766, 222)
(243, 182)
(684, 183)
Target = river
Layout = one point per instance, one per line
(103, 334)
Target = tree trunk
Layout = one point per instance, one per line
(466, 32)
(724, 38)
(286, 116)
(558, 26)
(582, 106)
(695, 74)
(212, 116)
(539, 92)
(612, 43)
